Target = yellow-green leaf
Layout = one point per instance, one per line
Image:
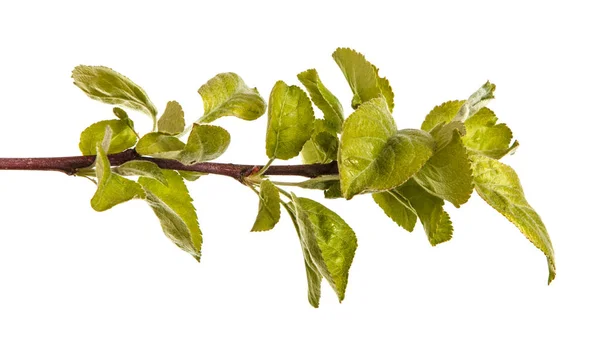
(269, 210)
(429, 208)
(106, 85)
(290, 122)
(112, 188)
(397, 208)
(329, 240)
(191, 175)
(486, 137)
(363, 78)
(333, 112)
(160, 145)
(443, 113)
(448, 173)
(499, 185)
(141, 168)
(173, 206)
(227, 95)
(123, 137)
(374, 155)
(320, 149)
(206, 142)
(172, 120)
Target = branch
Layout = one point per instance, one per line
(71, 164)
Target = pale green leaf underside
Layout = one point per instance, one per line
(486, 137)
(329, 240)
(106, 85)
(112, 188)
(397, 208)
(430, 211)
(333, 112)
(375, 156)
(142, 168)
(191, 175)
(499, 185)
(363, 78)
(269, 210)
(441, 114)
(173, 206)
(448, 173)
(226, 94)
(476, 101)
(123, 137)
(205, 143)
(290, 123)
(159, 145)
(172, 120)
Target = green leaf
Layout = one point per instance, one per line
(443, 113)
(397, 208)
(141, 168)
(320, 149)
(330, 242)
(486, 137)
(123, 137)
(206, 142)
(269, 210)
(448, 173)
(191, 175)
(227, 95)
(323, 99)
(313, 276)
(173, 206)
(429, 208)
(106, 85)
(499, 185)
(172, 120)
(112, 188)
(363, 78)
(122, 115)
(374, 155)
(476, 101)
(334, 191)
(160, 145)
(290, 122)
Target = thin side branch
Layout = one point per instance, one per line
(70, 165)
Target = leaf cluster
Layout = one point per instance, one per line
(411, 174)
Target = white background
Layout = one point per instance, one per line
(71, 275)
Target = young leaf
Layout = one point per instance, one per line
(106, 85)
(290, 122)
(173, 206)
(363, 78)
(323, 99)
(429, 208)
(374, 155)
(227, 95)
(476, 101)
(123, 137)
(160, 145)
(448, 173)
(112, 188)
(269, 210)
(397, 208)
(330, 242)
(486, 137)
(206, 142)
(172, 120)
(122, 115)
(320, 149)
(499, 185)
(141, 168)
(443, 114)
